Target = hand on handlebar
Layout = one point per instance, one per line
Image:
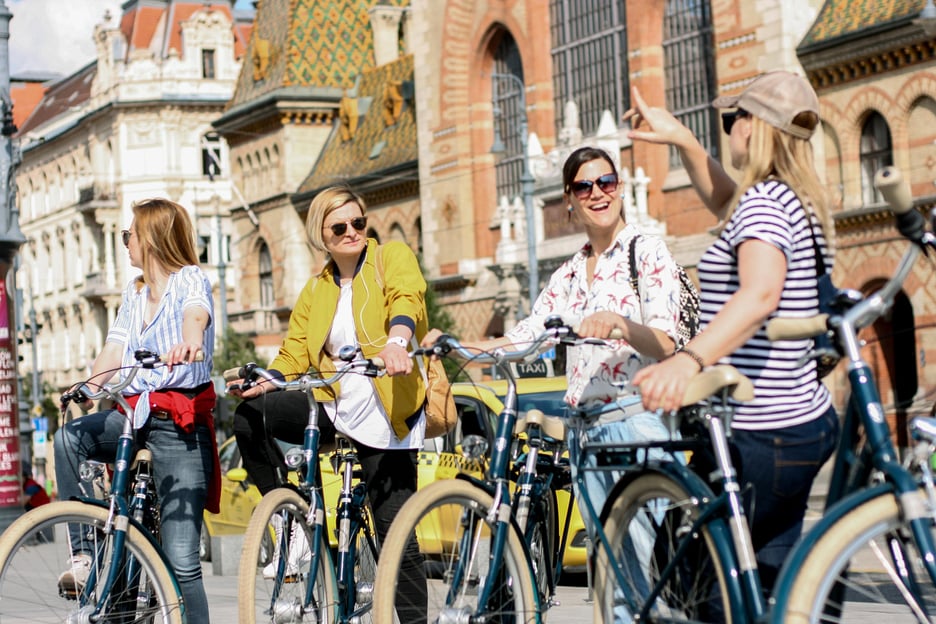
(396, 360)
(605, 325)
(182, 353)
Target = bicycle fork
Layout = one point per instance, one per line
(354, 593)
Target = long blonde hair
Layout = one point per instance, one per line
(773, 153)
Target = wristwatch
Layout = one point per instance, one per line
(399, 341)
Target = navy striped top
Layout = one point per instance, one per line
(786, 393)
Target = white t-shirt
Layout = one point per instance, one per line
(358, 412)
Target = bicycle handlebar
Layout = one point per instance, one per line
(556, 329)
(250, 373)
(145, 359)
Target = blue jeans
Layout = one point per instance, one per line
(638, 544)
(781, 465)
(182, 463)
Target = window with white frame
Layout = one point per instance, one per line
(876, 152)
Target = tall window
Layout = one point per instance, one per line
(589, 52)
(876, 153)
(208, 63)
(266, 278)
(211, 155)
(508, 98)
(689, 67)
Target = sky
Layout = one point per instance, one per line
(57, 35)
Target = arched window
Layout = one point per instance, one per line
(266, 277)
(508, 98)
(689, 70)
(876, 153)
(589, 56)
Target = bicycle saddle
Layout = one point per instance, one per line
(716, 378)
(552, 426)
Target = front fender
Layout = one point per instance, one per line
(807, 541)
(149, 537)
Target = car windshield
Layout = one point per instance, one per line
(550, 403)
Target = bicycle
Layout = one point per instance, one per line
(485, 565)
(306, 584)
(875, 544)
(130, 579)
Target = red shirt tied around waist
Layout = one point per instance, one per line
(186, 413)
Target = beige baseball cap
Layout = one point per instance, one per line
(779, 98)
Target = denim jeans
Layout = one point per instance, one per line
(638, 544)
(780, 465)
(182, 465)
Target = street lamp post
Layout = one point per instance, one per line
(526, 178)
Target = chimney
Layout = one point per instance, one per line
(385, 24)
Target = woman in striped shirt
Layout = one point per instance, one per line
(762, 265)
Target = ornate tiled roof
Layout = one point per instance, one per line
(840, 18)
(362, 155)
(307, 43)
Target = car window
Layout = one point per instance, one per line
(229, 456)
(550, 403)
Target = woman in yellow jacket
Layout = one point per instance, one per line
(371, 297)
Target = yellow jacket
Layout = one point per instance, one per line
(397, 293)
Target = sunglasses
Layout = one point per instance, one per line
(583, 188)
(728, 119)
(125, 237)
(339, 229)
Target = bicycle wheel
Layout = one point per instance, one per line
(850, 569)
(645, 524)
(278, 592)
(543, 540)
(447, 523)
(365, 572)
(35, 551)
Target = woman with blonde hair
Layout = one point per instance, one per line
(166, 310)
(369, 296)
(763, 265)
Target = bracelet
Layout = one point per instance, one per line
(399, 341)
(695, 356)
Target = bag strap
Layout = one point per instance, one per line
(632, 259)
(820, 258)
(378, 264)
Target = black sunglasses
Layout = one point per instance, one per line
(728, 119)
(583, 188)
(125, 237)
(339, 229)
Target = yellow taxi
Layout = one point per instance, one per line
(478, 406)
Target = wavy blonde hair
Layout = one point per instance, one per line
(773, 153)
(164, 231)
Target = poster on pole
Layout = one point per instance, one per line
(10, 471)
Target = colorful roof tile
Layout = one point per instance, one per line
(839, 18)
(307, 43)
(384, 136)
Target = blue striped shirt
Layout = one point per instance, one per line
(187, 287)
(786, 393)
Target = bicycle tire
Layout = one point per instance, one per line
(640, 524)
(852, 556)
(366, 556)
(263, 599)
(35, 550)
(543, 543)
(432, 517)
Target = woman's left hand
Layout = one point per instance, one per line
(663, 385)
(184, 352)
(396, 360)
